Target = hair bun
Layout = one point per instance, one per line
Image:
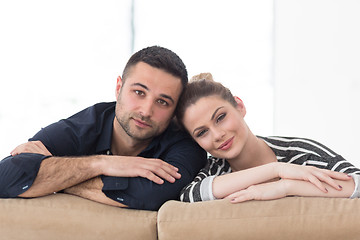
(202, 76)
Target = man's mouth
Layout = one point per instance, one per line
(141, 123)
(226, 145)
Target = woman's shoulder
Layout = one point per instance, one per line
(298, 144)
(217, 166)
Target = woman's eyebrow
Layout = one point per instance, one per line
(212, 117)
(196, 129)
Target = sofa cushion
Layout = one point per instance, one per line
(63, 216)
(287, 218)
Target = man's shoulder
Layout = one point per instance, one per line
(79, 134)
(174, 132)
(174, 137)
(96, 109)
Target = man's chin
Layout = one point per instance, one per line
(142, 136)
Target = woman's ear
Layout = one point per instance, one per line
(240, 106)
(119, 84)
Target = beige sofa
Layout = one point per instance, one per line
(63, 216)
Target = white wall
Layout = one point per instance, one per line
(317, 72)
(230, 39)
(58, 57)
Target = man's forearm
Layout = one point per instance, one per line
(92, 190)
(58, 173)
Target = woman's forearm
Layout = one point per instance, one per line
(320, 179)
(224, 185)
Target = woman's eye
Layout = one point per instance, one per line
(201, 133)
(221, 117)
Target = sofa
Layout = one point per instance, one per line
(63, 216)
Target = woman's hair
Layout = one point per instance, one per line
(200, 86)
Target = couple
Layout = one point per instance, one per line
(131, 153)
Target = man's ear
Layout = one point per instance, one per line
(119, 84)
(240, 106)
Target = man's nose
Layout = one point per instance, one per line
(146, 108)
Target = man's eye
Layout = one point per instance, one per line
(163, 102)
(140, 93)
(221, 117)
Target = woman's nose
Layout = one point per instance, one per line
(218, 134)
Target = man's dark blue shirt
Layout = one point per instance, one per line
(89, 132)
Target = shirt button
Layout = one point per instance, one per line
(108, 152)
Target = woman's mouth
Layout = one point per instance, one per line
(226, 145)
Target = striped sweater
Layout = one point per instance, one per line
(299, 151)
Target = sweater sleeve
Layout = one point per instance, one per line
(200, 189)
(356, 193)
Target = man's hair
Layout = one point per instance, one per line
(160, 58)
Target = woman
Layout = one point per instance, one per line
(243, 166)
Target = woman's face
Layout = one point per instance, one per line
(217, 126)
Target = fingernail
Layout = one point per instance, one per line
(340, 186)
(326, 190)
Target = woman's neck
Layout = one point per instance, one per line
(255, 153)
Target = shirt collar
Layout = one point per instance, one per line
(105, 138)
(104, 142)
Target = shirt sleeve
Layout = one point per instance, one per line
(141, 193)
(200, 189)
(17, 173)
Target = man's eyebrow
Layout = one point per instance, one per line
(141, 85)
(162, 95)
(168, 97)
(212, 118)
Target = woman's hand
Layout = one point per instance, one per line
(311, 174)
(289, 187)
(264, 191)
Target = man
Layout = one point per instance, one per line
(127, 153)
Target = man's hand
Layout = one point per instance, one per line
(118, 166)
(58, 173)
(31, 147)
(153, 169)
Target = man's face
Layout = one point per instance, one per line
(146, 101)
